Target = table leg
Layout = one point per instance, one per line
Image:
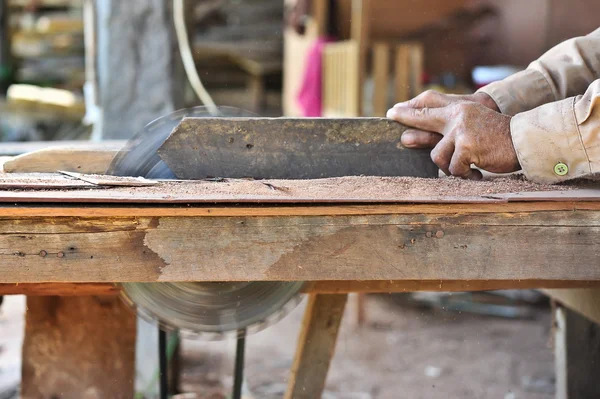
(316, 345)
(577, 355)
(79, 348)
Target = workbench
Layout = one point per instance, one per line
(75, 251)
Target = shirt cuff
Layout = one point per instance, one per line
(520, 92)
(548, 143)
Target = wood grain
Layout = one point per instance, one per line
(325, 287)
(78, 347)
(94, 161)
(316, 210)
(289, 148)
(316, 345)
(549, 245)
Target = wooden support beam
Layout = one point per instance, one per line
(585, 300)
(402, 73)
(419, 246)
(381, 76)
(75, 348)
(316, 345)
(577, 355)
(325, 287)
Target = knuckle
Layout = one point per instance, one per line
(428, 94)
(437, 158)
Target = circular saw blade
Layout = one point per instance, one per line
(211, 310)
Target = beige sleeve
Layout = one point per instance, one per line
(560, 140)
(564, 71)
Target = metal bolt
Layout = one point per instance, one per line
(60, 254)
(439, 234)
(428, 234)
(43, 253)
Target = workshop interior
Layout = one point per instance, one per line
(207, 199)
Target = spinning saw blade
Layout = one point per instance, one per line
(210, 309)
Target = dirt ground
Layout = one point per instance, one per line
(401, 352)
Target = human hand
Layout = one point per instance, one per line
(461, 130)
(415, 138)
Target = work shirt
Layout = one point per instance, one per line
(555, 104)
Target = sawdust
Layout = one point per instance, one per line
(349, 187)
(340, 189)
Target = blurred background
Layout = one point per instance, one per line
(122, 67)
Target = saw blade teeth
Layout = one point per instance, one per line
(213, 313)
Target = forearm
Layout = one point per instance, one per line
(564, 71)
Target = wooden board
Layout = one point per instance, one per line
(18, 148)
(321, 287)
(586, 301)
(78, 347)
(338, 191)
(316, 345)
(40, 181)
(104, 180)
(54, 159)
(381, 77)
(416, 245)
(577, 355)
(290, 148)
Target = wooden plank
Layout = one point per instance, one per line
(55, 159)
(286, 148)
(381, 75)
(577, 355)
(585, 301)
(78, 347)
(560, 245)
(318, 287)
(515, 209)
(60, 289)
(104, 180)
(316, 345)
(320, 12)
(18, 148)
(416, 68)
(399, 286)
(40, 181)
(360, 33)
(402, 73)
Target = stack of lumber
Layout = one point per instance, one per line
(44, 100)
(47, 43)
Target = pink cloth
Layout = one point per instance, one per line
(310, 94)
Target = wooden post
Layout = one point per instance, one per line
(381, 75)
(416, 68)
(402, 73)
(577, 355)
(78, 348)
(316, 345)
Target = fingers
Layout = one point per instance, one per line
(413, 138)
(427, 99)
(460, 165)
(430, 119)
(441, 155)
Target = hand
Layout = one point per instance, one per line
(415, 138)
(461, 131)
